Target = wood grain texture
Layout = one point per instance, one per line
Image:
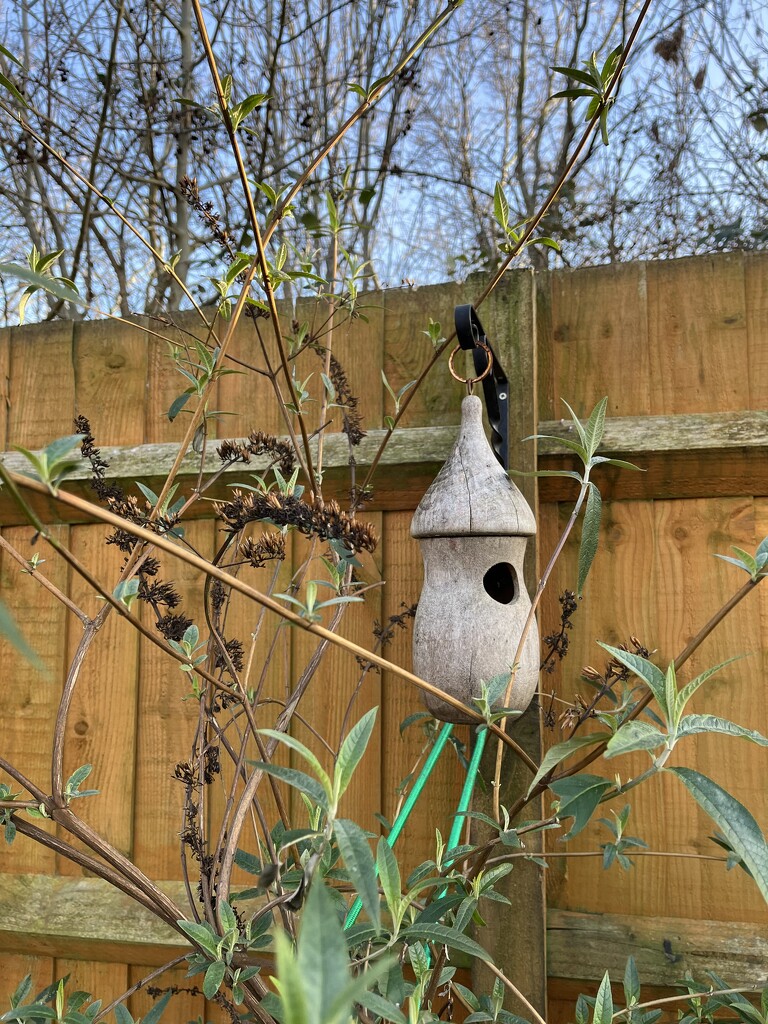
(110, 362)
(656, 563)
(14, 967)
(5, 381)
(184, 1006)
(584, 946)
(103, 981)
(164, 382)
(407, 351)
(340, 693)
(166, 725)
(756, 313)
(697, 334)
(31, 700)
(246, 397)
(101, 727)
(41, 393)
(594, 341)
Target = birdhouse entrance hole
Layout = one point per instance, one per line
(500, 583)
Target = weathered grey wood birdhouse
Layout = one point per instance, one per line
(473, 525)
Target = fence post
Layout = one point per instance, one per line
(515, 935)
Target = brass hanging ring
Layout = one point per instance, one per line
(471, 381)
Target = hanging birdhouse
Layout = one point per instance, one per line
(473, 525)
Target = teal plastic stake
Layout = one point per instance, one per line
(469, 786)
(405, 810)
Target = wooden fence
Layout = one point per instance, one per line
(680, 348)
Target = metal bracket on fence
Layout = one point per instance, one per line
(472, 338)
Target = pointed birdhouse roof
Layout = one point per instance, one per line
(472, 494)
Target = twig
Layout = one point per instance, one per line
(519, 245)
(92, 511)
(139, 985)
(682, 997)
(515, 992)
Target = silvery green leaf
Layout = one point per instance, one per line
(590, 533)
(734, 821)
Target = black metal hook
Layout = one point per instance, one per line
(469, 334)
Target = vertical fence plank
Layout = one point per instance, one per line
(510, 320)
(697, 334)
(166, 722)
(756, 299)
(14, 968)
(598, 343)
(326, 706)
(246, 397)
(5, 382)
(184, 1005)
(164, 381)
(101, 726)
(111, 380)
(103, 981)
(42, 385)
(31, 699)
(407, 351)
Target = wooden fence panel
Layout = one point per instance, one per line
(669, 340)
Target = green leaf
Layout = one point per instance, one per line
(227, 915)
(11, 57)
(322, 955)
(596, 426)
(78, 777)
(389, 875)
(562, 750)
(25, 985)
(634, 735)
(6, 83)
(202, 934)
(14, 636)
(579, 426)
(692, 724)
(248, 862)
(734, 821)
(590, 534)
(446, 937)
(688, 691)
(32, 1010)
(154, 1015)
(578, 798)
(567, 442)
(381, 1007)
(500, 207)
(213, 978)
(358, 858)
(650, 674)
(577, 75)
(48, 284)
(299, 780)
(631, 982)
(603, 1011)
(289, 741)
(123, 1015)
(352, 750)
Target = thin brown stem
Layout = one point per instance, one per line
(92, 511)
(515, 992)
(260, 260)
(527, 628)
(138, 986)
(525, 238)
(644, 701)
(42, 580)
